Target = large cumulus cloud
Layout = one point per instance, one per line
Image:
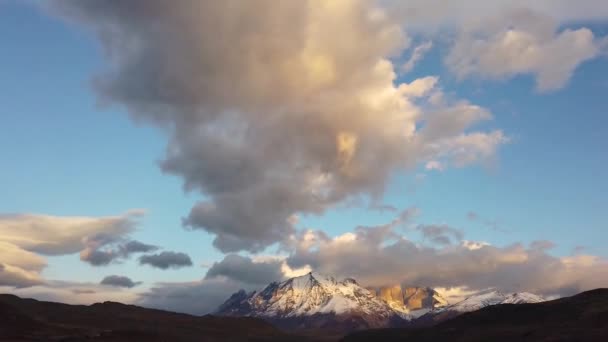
(275, 109)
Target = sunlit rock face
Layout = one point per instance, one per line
(409, 299)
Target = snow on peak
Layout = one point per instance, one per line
(307, 295)
(493, 297)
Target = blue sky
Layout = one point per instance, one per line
(65, 155)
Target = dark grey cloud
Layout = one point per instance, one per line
(103, 249)
(135, 246)
(283, 120)
(243, 269)
(119, 281)
(166, 260)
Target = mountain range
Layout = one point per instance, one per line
(579, 318)
(323, 303)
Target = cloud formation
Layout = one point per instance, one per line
(440, 234)
(61, 235)
(433, 15)
(379, 256)
(102, 249)
(73, 292)
(522, 42)
(119, 281)
(274, 110)
(197, 297)
(26, 238)
(243, 269)
(417, 54)
(166, 260)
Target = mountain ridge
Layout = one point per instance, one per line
(316, 301)
(581, 317)
(24, 319)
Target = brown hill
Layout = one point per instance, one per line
(583, 317)
(32, 320)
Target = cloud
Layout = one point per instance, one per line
(57, 235)
(245, 270)
(416, 56)
(441, 234)
(166, 260)
(18, 277)
(522, 42)
(197, 298)
(378, 256)
(299, 112)
(102, 249)
(433, 15)
(73, 292)
(26, 238)
(492, 224)
(542, 245)
(433, 165)
(119, 281)
(223, 279)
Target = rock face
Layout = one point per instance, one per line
(314, 301)
(410, 301)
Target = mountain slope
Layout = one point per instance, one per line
(314, 301)
(32, 320)
(582, 317)
(477, 302)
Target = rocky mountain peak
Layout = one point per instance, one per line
(311, 297)
(410, 300)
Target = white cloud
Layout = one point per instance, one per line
(522, 42)
(417, 55)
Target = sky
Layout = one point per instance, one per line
(168, 154)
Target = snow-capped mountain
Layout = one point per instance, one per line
(481, 300)
(320, 302)
(476, 302)
(314, 301)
